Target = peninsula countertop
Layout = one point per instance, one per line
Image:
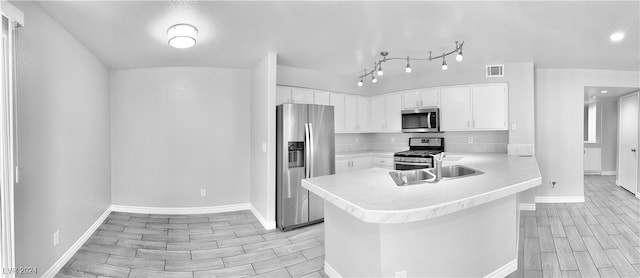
(372, 196)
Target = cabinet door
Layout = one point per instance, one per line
(429, 97)
(283, 95)
(302, 95)
(351, 112)
(455, 112)
(363, 114)
(337, 100)
(490, 106)
(393, 112)
(411, 99)
(362, 163)
(321, 98)
(377, 114)
(342, 166)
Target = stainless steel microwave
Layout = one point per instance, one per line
(421, 120)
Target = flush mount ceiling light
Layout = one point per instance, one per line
(604, 92)
(617, 36)
(377, 65)
(594, 97)
(182, 35)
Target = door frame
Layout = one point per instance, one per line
(636, 94)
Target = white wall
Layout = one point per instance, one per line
(177, 130)
(263, 126)
(559, 124)
(299, 77)
(63, 140)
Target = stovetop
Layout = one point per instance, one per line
(417, 153)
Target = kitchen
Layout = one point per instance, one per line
(158, 130)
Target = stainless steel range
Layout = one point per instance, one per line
(420, 153)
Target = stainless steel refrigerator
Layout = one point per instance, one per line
(305, 148)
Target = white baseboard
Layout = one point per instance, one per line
(504, 270)
(53, 270)
(330, 271)
(559, 199)
(182, 210)
(609, 173)
(528, 206)
(268, 225)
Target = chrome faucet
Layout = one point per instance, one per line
(437, 165)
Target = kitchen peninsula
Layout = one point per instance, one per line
(464, 226)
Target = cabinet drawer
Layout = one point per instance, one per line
(383, 161)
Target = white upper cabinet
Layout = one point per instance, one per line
(414, 99)
(430, 97)
(321, 97)
(351, 114)
(393, 112)
(378, 121)
(283, 95)
(386, 113)
(410, 99)
(474, 107)
(490, 106)
(302, 95)
(363, 113)
(338, 103)
(455, 112)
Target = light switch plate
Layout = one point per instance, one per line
(203, 192)
(513, 127)
(56, 238)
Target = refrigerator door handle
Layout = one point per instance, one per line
(311, 151)
(307, 151)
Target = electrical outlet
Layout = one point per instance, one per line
(553, 183)
(470, 140)
(203, 192)
(401, 274)
(513, 127)
(56, 238)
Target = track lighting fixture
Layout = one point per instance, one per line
(377, 65)
(444, 63)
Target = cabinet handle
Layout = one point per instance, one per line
(420, 103)
(468, 125)
(417, 105)
(473, 123)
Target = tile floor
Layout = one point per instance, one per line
(598, 238)
(208, 245)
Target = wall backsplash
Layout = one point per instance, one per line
(483, 141)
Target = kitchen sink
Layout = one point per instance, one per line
(457, 171)
(412, 177)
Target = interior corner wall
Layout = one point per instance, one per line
(559, 104)
(177, 130)
(263, 139)
(63, 140)
(299, 77)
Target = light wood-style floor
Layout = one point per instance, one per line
(598, 238)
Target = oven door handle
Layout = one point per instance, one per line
(412, 163)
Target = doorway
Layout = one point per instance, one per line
(628, 142)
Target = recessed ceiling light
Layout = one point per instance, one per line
(593, 97)
(617, 36)
(182, 35)
(604, 92)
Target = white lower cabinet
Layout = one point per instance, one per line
(353, 163)
(383, 161)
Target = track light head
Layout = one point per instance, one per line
(360, 83)
(459, 56)
(444, 63)
(408, 68)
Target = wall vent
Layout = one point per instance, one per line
(495, 70)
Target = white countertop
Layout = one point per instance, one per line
(372, 196)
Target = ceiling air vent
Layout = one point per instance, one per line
(495, 70)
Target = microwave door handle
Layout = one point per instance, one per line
(429, 120)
